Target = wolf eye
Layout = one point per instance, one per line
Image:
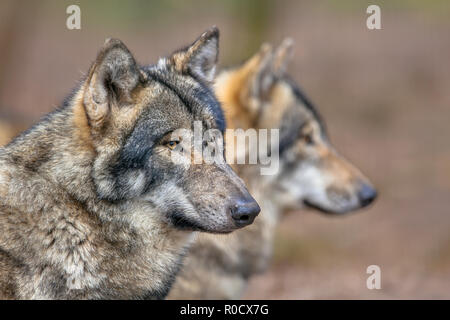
(172, 144)
(308, 138)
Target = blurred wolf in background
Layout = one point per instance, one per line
(259, 94)
(92, 205)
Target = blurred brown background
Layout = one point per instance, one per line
(385, 95)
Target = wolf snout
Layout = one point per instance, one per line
(243, 210)
(367, 194)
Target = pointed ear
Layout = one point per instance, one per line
(283, 56)
(262, 78)
(199, 59)
(111, 80)
(248, 81)
(273, 66)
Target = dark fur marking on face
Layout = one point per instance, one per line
(137, 149)
(200, 95)
(135, 155)
(180, 221)
(289, 131)
(299, 94)
(290, 128)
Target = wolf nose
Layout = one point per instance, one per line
(244, 210)
(366, 195)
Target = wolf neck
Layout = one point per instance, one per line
(125, 249)
(265, 225)
(263, 193)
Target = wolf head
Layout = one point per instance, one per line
(259, 94)
(131, 114)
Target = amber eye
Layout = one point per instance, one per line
(308, 138)
(172, 144)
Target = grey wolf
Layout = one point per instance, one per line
(260, 94)
(91, 205)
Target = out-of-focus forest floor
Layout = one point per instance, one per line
(384, 95)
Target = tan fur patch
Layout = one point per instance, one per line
(228, 88)
(281, 97)
(343, 172)
(83, 131)
(232, 87)
(178, 61)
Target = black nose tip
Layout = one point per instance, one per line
(244, 210)
(366, 195)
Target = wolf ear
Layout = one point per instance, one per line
(261, 79)
(243, 85)
(200, 58)
(272, 65)
(282, 57)
(111, 80)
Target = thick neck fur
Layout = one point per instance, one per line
(61, 239)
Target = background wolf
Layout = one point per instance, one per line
(91, 205)
(259, 94)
